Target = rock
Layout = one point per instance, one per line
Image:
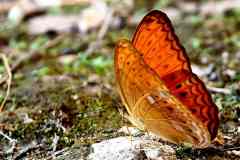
(235, 152)
(159, 151)
(120, 148)
(202, 71)
(131, 148)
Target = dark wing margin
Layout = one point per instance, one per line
(160, 47)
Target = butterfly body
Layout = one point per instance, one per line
(158, 88)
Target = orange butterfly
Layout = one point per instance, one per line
(158, 88)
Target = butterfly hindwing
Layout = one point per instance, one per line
(149, 102)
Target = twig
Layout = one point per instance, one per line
(19, 62)
(12, 141)
(28, 56)
(232, 148)
(9, 80)
(219, 90)
(27, 149)
(57, 153)
(55, 142)
(53, 42)
(7, 137)
(102, 32)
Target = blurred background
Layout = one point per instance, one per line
(57, 91)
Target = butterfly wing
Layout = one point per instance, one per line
(160, 48)
(191, 91)
(157, 42)
(150, 104)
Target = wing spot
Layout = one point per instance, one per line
(149, 43)
(183, 94)
(165, 66)
(193, 110)
(148, 83)
(170, 109)
(195, 138)
(178, 86)
(189, 130)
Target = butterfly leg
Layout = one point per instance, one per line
(120, 110)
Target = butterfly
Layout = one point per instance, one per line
(158, 88)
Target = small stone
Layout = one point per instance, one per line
(237, 153)
(121, 148)
(131, 148)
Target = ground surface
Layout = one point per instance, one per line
(63, 95)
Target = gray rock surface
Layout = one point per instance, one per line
(121, 148)
(130, 148)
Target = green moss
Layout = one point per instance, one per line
(57, 96)
(99, 64)
(96, 117)
(183, 152)
(59, 107)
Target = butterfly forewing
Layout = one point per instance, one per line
(156, 41)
